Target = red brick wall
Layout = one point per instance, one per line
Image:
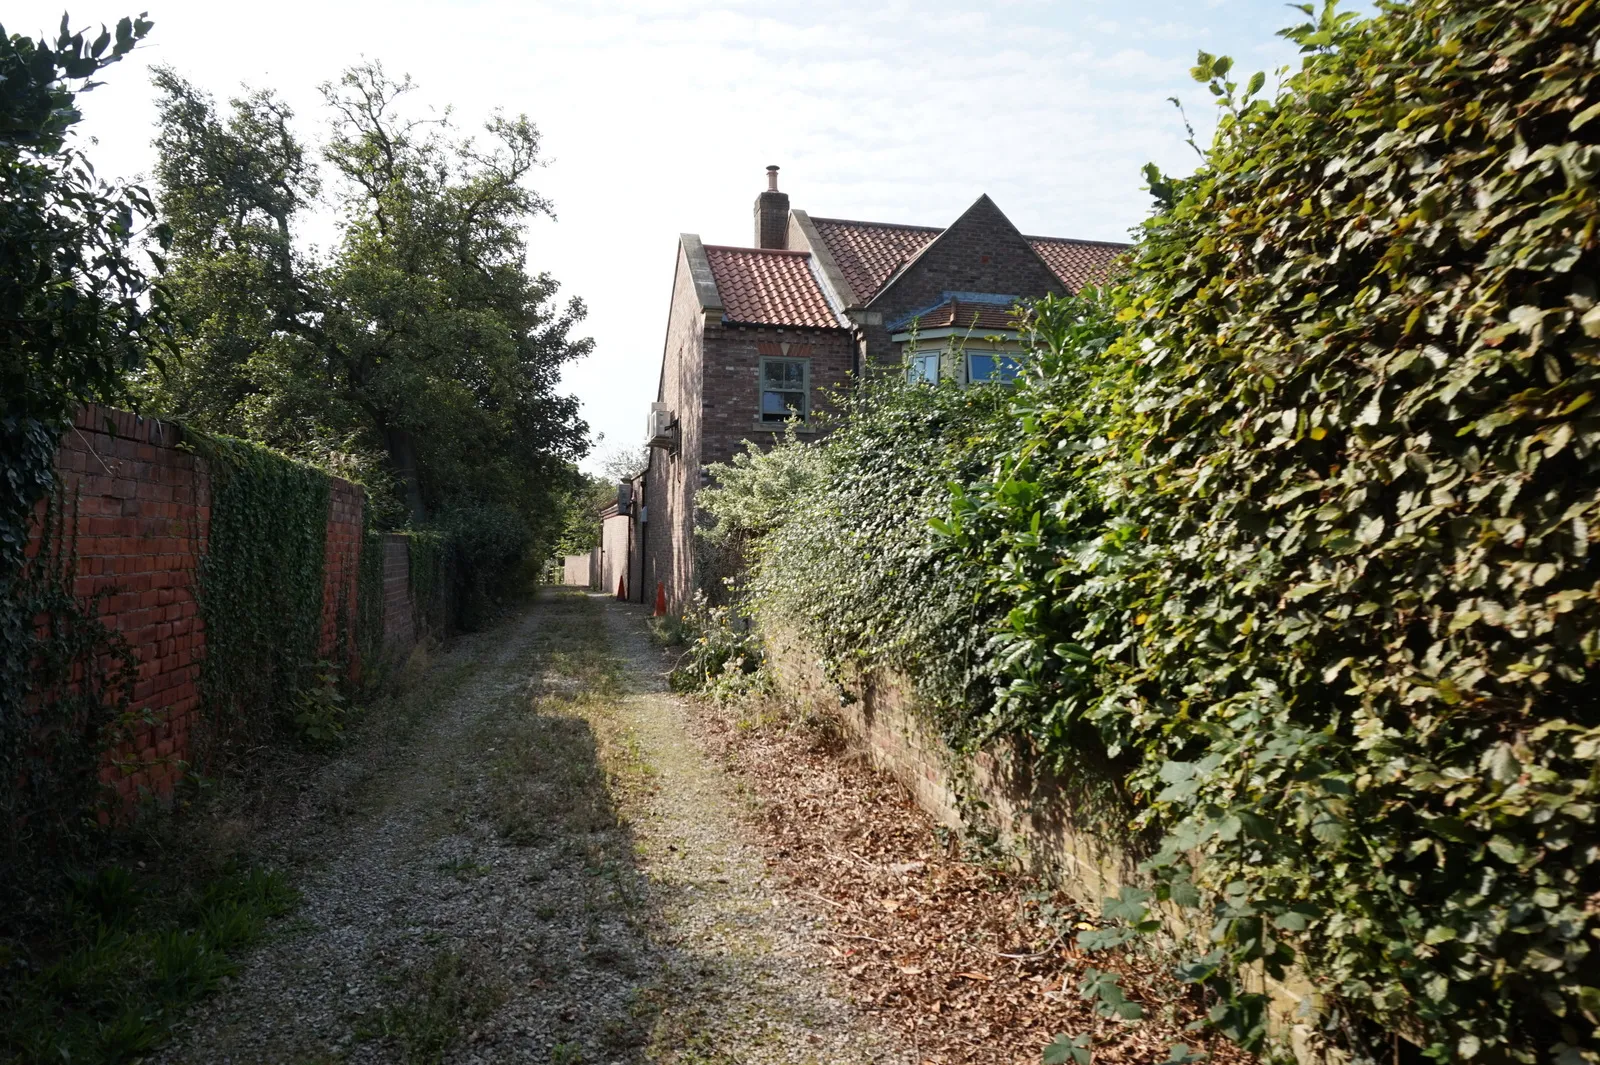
(143, 510)
(341, 568)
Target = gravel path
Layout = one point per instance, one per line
(547, 869)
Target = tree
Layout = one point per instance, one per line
(231, 190)
(420, 353)
(79, 309)
(77, 303)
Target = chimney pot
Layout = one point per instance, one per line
(772, 179)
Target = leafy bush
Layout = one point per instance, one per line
(724, 657)
(848, 562)
(1311, 543)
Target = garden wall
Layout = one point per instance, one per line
(1054, 830)
(142, 506)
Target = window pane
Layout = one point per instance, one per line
(980, 367)
(924, 369)
(779, 406)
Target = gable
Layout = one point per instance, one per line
(980, 252)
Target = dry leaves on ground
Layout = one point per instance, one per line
(970, 960)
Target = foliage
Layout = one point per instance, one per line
(260, 583)
(320, 708)
(1309, 546)
(756, 492)
(843, 556)
(724, 657)
(124, 959)
(79, 310)
(74, 709)
(418, 355)
(486, 543)
(581, 503)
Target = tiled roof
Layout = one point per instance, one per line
(769, 287)
(963, 314)
(868, 253)
(1077, 262)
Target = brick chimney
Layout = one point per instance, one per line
(772, 214)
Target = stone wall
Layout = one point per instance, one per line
(1059, 831)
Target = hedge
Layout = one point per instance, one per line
(1309, 545)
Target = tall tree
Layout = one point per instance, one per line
(420, 348)
(232, 190)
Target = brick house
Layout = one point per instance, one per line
(755, 334)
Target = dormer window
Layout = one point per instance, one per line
(785, 389)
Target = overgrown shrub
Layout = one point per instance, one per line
(724, 656)
(844, 555)
(1312, 541)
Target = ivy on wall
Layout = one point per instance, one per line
(78, 680)
(260, 581)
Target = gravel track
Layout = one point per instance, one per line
(547, 869)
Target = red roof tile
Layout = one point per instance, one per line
(1077, 262)
(765, 287)
(962, 314)
(868, 253)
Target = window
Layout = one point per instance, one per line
(923, 368)
(1001, 368)
(785, 389)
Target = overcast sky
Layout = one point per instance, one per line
(659, 117)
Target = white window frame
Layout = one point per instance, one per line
(804, 413)
(918, 363)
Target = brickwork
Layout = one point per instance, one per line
(399, 611)
(981, 252)
(143, 511)
(341, 570)
(673, 477)
(143, 517)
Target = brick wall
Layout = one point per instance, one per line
(143, 517)
(143, 511)
(399, 611)
(341, 569)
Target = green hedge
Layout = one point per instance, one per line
(1310, 545)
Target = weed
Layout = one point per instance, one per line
(439, 998)
(121, 961)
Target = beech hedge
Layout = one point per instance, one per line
(1311, 543)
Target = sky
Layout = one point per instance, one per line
(659, 117)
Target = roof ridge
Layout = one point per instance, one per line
(756, 251)
(880, 225)
(1081, 240)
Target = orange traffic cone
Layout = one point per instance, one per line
(661, 600)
